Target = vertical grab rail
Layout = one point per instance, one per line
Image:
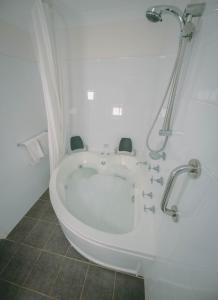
(193, 168)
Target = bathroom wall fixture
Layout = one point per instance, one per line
(150, 195)
(193, 168)
(155, 168)
(155, 14)
(151, 208)
(158, 180)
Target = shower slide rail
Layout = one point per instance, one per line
(193, 168)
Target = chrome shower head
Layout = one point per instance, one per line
(154, 14)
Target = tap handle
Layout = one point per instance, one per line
(160, 180)
(156, 168)
(150, 195)
(151, 208)
(141, 163)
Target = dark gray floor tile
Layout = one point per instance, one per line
(22, 229)
(20, 265)
(57, 243)
(43, 209)
(45, 196)
(24, 294)
(72, 253)
(37, 210)
(70, 280)
(128, 288)
(44, 273)
(7, 250)
(99, 284)
(8, 291)
(49, 214)
(39, 234)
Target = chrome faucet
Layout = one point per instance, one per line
(151, 208)
(150, 195)
(158, 180)
(156, 168)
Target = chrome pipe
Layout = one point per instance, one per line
(154, 13)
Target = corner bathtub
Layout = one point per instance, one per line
(98, 201)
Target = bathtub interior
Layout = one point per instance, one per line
(100, 191)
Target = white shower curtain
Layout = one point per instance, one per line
(50, 55)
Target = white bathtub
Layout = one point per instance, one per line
(98, 201)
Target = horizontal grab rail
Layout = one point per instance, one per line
(193, 168)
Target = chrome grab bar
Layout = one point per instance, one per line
(193, 168)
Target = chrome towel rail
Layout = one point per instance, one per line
(30, 138)
(193, 168)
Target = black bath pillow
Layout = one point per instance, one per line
(125, 145)
(76, 143)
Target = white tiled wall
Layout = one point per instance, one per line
(131, 77)
(22, 116)
(129, 83)
(187, 265)
(127, 65)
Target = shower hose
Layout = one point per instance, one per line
(171, 90)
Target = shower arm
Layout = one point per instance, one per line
(160, 10)
(177, 13)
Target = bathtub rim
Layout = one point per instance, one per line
(87, 232)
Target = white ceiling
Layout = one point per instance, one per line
(18, 12)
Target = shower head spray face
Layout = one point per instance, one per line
(154, 14)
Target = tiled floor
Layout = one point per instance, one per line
(38, 263)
